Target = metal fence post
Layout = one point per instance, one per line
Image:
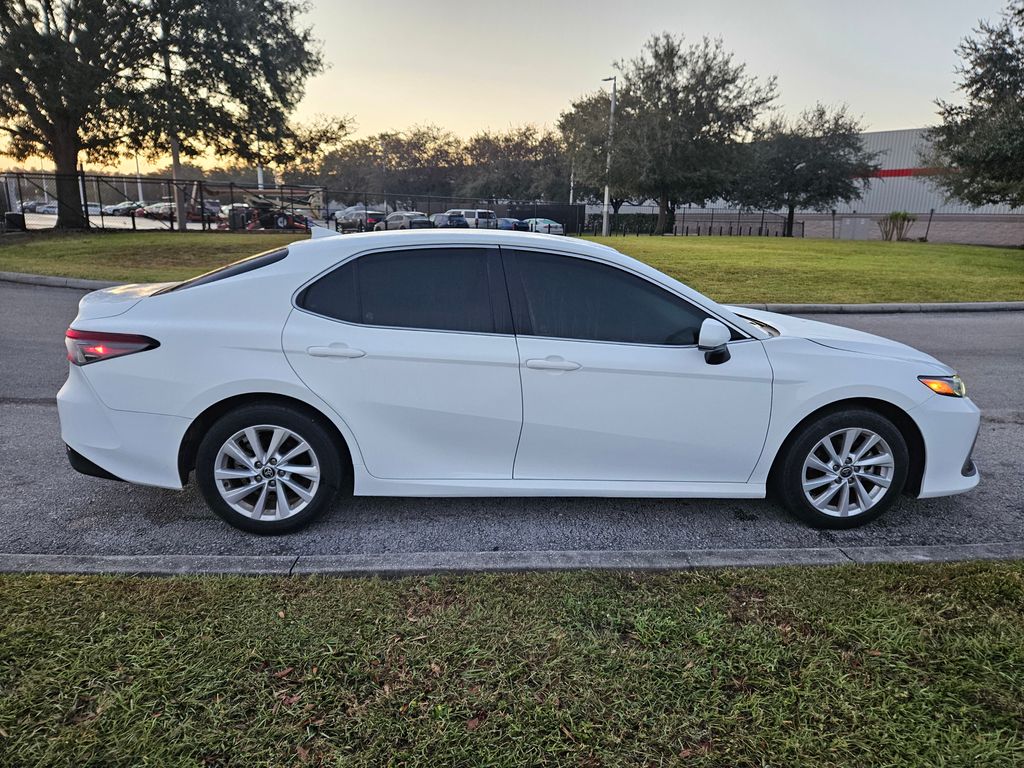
(99, 201)
(202, 208)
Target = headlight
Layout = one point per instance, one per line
(951, 386)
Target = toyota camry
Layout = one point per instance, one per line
(490, 363)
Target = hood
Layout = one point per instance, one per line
(110, 302)
(839, 337)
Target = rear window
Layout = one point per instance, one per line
(486, 214)
(231, 270)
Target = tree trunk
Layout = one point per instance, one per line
(662, 214)
(70, 214)
(179, 197)
(172, 132)
(790, 216)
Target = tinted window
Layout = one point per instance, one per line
(570, 298)
(430, 288)
(235, 268)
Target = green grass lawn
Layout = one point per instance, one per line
(729, 269)
(844, 666)
(138, 257)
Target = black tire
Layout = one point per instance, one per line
(789, 476)
(308, 428)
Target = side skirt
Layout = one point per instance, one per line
(366, 485)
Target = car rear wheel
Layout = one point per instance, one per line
(268, 469)
(843, 469)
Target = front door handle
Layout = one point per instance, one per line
(552, 364)
(335, 350)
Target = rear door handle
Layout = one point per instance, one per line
(335, 350)
(552, 364)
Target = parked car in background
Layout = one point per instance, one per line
(516, 225)
(547, 226)
(48, 208)
(358, 219)
(449, 220)
(404, 220)
(93, 209)
(158, 211)
(414, 369)
(123, 209)
(31, 206)
(477, 218)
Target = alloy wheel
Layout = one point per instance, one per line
(848, 472)
(267, 472)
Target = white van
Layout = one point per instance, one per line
(475, 217)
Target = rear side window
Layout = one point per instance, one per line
(446, 289)
(247, 264)
(570, 298)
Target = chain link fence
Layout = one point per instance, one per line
(31, 201)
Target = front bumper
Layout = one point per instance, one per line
(127, 445)
(949, 426)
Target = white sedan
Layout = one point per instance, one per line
(487, 363)
(545, 226)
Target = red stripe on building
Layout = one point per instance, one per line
(894, 173)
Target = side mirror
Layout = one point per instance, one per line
(712, 341)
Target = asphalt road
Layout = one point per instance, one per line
(46, 507)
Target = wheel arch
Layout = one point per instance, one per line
(899, 417)
(201, 424)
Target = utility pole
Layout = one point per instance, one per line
(572, 177)
(605, 226)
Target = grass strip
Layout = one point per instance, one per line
(840, 666)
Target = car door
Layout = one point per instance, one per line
(614, 386)
(411, 348)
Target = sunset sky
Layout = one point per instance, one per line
(471, 66)
(468, 66)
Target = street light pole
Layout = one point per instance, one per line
(605, 228)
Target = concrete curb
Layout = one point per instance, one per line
(888, 309)
(56, 282)
(785, 309)
(413, 563)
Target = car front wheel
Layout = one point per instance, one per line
(268, 469)
(843, 469)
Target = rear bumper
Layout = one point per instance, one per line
(949, 426)
(123, 445)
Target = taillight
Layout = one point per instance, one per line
(86, 347)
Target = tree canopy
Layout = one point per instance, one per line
(157, 76)
(69, 83)
(814, 161)
(980, 143)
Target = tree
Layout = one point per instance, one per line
(584, 129)
(301, 153)
(424, 160)
(687, 107)
(222, 75)
(522, 163)
(812, 162)
(68, 79)
(980, 143)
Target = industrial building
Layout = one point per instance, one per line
(905, 183)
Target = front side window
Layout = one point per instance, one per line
(571, 298)
(429, 288)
